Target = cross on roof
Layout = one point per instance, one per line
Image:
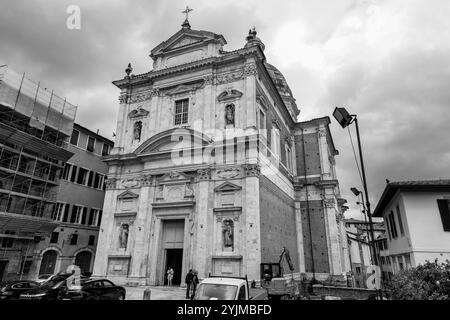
(187, 12)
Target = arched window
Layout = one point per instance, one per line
(83, 261)
(275, 141)
(48, 262)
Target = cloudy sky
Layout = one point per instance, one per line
(388, 61)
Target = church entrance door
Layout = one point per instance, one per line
(174, 260)
(172, 246)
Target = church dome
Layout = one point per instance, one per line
(279, 80)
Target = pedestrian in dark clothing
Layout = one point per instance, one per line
(194, 284)
(188, 281)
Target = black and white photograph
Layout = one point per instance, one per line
(213, 150)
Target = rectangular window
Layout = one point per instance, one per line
(105, 149)
(54, 237)
(91, 179)
(91, 240)
(90, 144)
(289, 157)
(99, 221)
(276, 141)
(181, 111)
(7, 242)
(82, 176)
(66, 213)
(73, 239)
(58, 212)
(400, 223)
(66, 172)
(74, 137)
(83, 216)
(93, 216)
(73, 174)
(76, 214)
(98, 181)
(262, 120)
(393, 225)
(444, 210)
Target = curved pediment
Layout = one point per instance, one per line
(229, 94)
(178, 138)
(138, 113)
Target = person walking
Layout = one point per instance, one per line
(188, 281)
(169, 277)
(194, 283)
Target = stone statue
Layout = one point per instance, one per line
(137, 130)
(227, 233)
(123, 236)
(229, 114)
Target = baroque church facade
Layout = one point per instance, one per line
(212, 171)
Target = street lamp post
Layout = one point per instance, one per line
(358, 193)
(345, 119)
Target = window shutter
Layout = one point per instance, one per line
(445, 213)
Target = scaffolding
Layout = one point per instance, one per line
(35, 125)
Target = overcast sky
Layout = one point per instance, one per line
(387, 61)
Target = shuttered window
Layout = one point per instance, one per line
(445, 213)
(393, 225)
(400, 223)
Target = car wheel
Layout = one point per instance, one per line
(121, 297)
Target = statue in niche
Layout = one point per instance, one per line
(229, 114)
(137, 130)
(160, 192)
(189, 191)
(123, 236)
(227, 229)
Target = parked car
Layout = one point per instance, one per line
(99, 289)
(11, 290)
(49, 290)
(43, 278)
(228, 288)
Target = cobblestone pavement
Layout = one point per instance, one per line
(157, 293)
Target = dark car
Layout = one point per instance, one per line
(99, 289)
(13, 289)
(49, 290)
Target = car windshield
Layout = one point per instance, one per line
(54, 282)
(210, 291)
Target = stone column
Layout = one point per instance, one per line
(140, 251)
(202, 242)
(106, 229)
(249, 104)
(332, 236)
(251, 222)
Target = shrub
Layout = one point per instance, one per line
(430, 281)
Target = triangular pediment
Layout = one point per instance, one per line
(174, 176)
(186, 39)
(227, 186)
(128, 195)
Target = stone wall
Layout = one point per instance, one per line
(278, 229)
(312, 155)
(319, 241)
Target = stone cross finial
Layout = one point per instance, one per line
(186, 11)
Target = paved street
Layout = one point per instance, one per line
(157, 293)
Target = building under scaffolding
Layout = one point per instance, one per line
(35, 125)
